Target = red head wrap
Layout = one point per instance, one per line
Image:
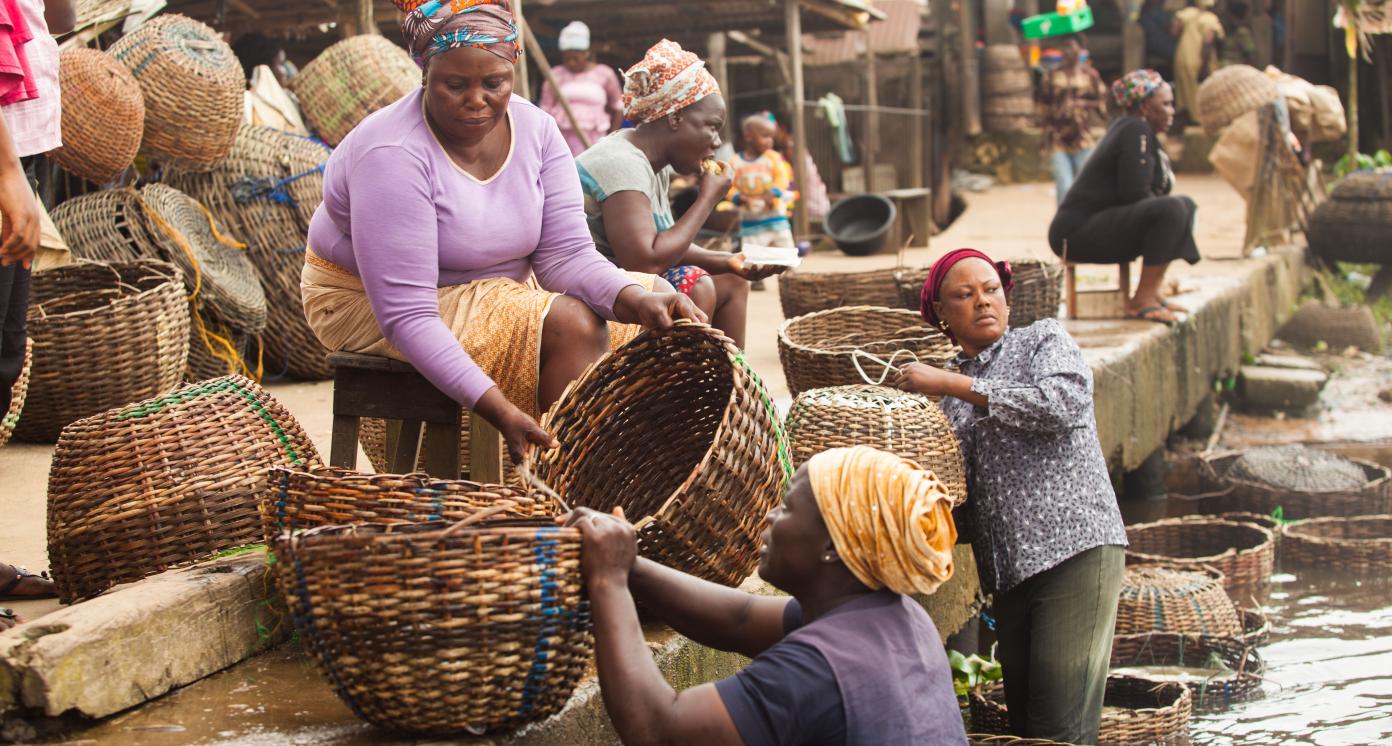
(932, 287)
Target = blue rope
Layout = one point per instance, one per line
(249, 188)
(551, 616)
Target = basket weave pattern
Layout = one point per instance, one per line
(18, 392)
(1241, 680)
(1355, 223)
(801, 293)
(1161, 599)
(1356, 544)
(819, 350)
(1230, 92)
(1374, 498)
(107, 226)
(1136, 711)
(352, 79)
(103, 115)
(1243, 552)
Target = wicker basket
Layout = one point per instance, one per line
(1256, 628)
(677, 429)
(1036, 294)
(821, 349)
(1242, 679)
(18, 391)
(801, 293)
(467, 629)
(103, 115)
(265, 193)
(104, 335)
(107, 226)
(1231, 92)
(193, 88)
(169, 480)
(92, 12)
(1155, 598)
(352, 79)
(1245, 553)
(1355, 544)
(1134, 711)
(1232, 494)
(1355, 223)
(909, 425)
(982, 739)
(217, 349)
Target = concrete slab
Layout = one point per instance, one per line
(1293, 362)
(1287, 389)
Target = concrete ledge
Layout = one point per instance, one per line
(137, 642)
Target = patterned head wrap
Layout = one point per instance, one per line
(889, 518)
(932, 287)
(667, 80)
(1133, 88)
(441, 25)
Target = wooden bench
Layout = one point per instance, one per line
(374, 386)
(1097, 304)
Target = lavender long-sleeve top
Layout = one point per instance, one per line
(402, 216)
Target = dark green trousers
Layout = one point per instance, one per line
(1055, 632)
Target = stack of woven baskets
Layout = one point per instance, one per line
(352, 79)
(801, 293)
(856, 344)
(1007, 90)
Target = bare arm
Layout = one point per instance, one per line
(640, 247)
(60, 15)
(19, 238)
(712, 615)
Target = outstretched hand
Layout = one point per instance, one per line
(609, 544)
(752, 272)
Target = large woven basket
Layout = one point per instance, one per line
(169, 480)
(822, 349)
(104, 335)
(352, 79)
(1355, 544)
(1355, 223)
(1231, 92)
(678, 430)
(265, 193)
(1135, 711)
(801, 293)
(1236, 666)
(1037, 291)
(107, 226)
(193, 88)
(907, 424)
(1236, 494)
(983, 739)
(103, 115)
(18, 392)
(1245, 553)
(442, 630)
(1155, 598)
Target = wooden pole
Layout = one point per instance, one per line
(998, 29)
(366, 23)
(917, 166)
(971, 86)
(715, 60)
(1353, 102)
(523, 82)
(1288, 48)
(792, 23)
(871, 144)
(535, 52)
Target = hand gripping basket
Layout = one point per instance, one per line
(1243, 552)
(18, 392)
(193, 88)
(906, 424)
(1156, 598)
(1373, 497)
(1231, 92)
(821, 349)
(103, 115)
(352, 79)
(104, 335)
(1235, 668)
(801, 293)
(678, 430)
(169, 480)
(1359, 544)
(1134, 711)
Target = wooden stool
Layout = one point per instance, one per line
(374, 386)
(1097, 304)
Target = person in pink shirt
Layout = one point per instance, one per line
(591, 89)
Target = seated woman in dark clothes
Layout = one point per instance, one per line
(848, 660)
(1120, 207)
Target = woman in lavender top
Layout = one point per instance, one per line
(437, 211)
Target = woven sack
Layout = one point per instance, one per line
(103, 115)
(1374, 497)
(1036, 294)
(104, 335)
(264, 193)
(909, 425)
(193, 88)
(824, 348)
(166, 481)
(1244, 553)
(352, 79)
(1352, 544)
(18, 391)
(107, 226)
(466, 629)
(1236, 667)
(1355, 223)
(1155, 598)
(801, 293)
(1231, 92)
(678, 430)
(1135, 711)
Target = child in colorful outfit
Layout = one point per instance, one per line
(763, 185)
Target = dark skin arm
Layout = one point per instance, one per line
(712, 615)
(930, 381)
(639, 247)
(60, 15)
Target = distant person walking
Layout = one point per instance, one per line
(1073, 101)
(591, 89)
(1199, 30)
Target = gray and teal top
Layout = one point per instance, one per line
(613, 165)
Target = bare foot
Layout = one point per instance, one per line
(1173, 306)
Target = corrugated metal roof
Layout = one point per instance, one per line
(898, 32)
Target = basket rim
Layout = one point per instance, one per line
(1294, 529)
(420, 533)
(981, 692)
(1267, 534)
(783, 328)
(1376, 473)
(174, 278)
(1209, 643)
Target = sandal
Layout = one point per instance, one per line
(8, 619)
(1175, 307)
(9, 590)
(1149, 313)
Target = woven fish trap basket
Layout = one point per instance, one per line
(1133, 711)
(170, 480)
(677, 429)
(1313, 499)
(1036, 295)
(1355, 223)
(1157, 598)
(801, 293)
(909, 425)
(18, 392)
(1256, 628)
(103, 115)
(1356, 543)
(1233, 666)
(1244, 552)
(1230, 92)
(104, 335)
(352, 79)
(264, 194)
(824, 348)
(107, 226)
(432, 630)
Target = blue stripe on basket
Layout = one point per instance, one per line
(550, 615)
(304, 622)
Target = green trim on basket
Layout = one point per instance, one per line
(194, 391)
(784, 459)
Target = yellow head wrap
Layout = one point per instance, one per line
(889, 518)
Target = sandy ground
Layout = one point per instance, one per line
(1009, 221)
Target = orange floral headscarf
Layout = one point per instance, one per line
(667, 80)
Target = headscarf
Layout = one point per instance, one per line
(575, 37)
(667, 80)
(441, 25)
(1133, 88)
(932, 287)
(889, 518)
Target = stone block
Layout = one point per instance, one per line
(1288, 389)
(1292, 362)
